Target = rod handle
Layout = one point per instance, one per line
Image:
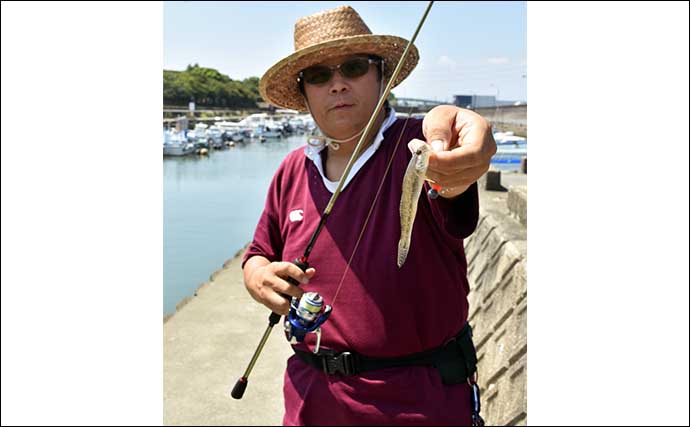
(240, 387)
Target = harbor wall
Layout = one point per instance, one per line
(497, 271)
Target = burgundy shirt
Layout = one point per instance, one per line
(381, 311)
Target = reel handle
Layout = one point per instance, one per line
(274, 318)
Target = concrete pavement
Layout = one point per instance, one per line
(207, 345)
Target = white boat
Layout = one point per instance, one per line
(271, 130)
(215, 137)
(262, 125)
(309, 124)
(233, 132)
(254, 122)
(176, 144)
(236, 136)
(178, 150)
(508, 138)
(201, 139)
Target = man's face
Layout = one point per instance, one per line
(342, 106)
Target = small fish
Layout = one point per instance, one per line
(411, 188)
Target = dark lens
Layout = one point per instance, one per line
(356, 67)
(317, 74)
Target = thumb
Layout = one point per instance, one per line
(438, 138)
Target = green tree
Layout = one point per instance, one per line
(208, 87)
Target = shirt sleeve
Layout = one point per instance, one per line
(268, 241)
(457, 216)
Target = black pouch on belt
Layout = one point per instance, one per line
(458, 360)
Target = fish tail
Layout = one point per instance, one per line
(402, 252)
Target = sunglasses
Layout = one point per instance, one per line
(352, 68)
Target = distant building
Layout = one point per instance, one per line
(415, 102)
(474, 101)
(482, 101)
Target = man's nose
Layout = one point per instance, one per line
(338, 83)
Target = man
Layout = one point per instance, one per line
(396, 349)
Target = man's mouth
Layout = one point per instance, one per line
(342, 106)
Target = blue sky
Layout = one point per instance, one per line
(465, 47)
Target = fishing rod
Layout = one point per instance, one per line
(309, 313)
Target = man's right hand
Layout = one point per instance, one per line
(267, 282)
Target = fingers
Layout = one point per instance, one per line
(288, 270)
(276, 294)
(457, 179)
(474, 130)
(281, 286)
(438, 126)
(461, 140)
(447, 162)
(277, 303)
(282, 273)
(282, 305)
(275, 291)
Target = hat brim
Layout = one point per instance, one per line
(279, 85)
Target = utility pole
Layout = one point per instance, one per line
(191, 113)
(497, 119)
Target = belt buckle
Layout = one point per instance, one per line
(342, 363)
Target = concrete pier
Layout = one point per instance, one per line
(207, 345)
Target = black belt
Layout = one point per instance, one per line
(456, 360)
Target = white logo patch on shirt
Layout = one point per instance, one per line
(296, 215)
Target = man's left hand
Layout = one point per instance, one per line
(462, 145)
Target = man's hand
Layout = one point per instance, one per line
(267, 282)
(462, 145)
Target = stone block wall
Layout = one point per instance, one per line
(497, 269)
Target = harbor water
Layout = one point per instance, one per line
(211, 205)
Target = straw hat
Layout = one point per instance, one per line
(318, 37)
